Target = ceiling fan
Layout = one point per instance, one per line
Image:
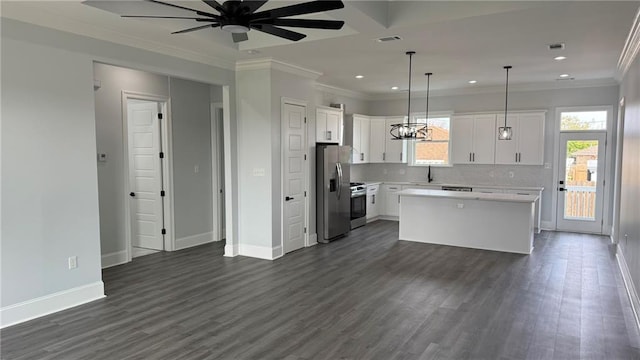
(239, 17)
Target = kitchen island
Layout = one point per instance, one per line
(499, 222)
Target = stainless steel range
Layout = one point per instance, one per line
(358, 204)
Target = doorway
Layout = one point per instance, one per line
(218, 170)
(581, 172)
(294, 173)
(146, 175)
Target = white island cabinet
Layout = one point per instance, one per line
(499, 222)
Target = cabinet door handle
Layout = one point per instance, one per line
(469, 157)
(384, 156)
(519, 157)
(362, 156)
(328, 135)
(516, 157)
(400, 157)
(373, 199)
(474, 157)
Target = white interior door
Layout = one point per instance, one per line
(580, 188)
(293, 177)
(145, 174)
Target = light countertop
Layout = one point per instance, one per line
(434, 184)
(468, 195)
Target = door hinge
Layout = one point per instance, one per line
(159, 116)
(604, 182)
(305, 120)
(305, 194)
(161, 155)
(305, 156)
(161, 192)
(305, 230)
(164, 231)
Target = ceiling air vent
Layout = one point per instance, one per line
(389, 38)
(556, 46)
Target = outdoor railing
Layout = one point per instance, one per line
(580, 202)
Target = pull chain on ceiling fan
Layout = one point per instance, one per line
(239, 17)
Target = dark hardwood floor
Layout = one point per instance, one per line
(368, 296)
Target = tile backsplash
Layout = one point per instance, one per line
(501, 175)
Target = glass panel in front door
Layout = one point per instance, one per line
(580, 180)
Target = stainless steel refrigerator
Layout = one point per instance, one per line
(333, 191)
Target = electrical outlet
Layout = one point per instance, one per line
(460, 206)
(73, 262)
(511, 174)
(196, 168)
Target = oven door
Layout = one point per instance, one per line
(358, 206)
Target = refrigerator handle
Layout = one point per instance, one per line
(339, 169)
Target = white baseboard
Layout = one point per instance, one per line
(260, 252)
(277, 252)
(138, 251)
(193, 240)
(48, 304)
(387, 217)
(547, 225)
(114, 258)
(231, 250)
(628, 284)
(313, 240)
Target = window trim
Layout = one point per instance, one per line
(411, 149)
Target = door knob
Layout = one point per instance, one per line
(132, 194)
(561, 189)
(288, 198)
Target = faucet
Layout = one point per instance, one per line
(429, 177)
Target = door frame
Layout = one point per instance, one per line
(167, 168)
(284, 101)
(608, 166)
(216, 180)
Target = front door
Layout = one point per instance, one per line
(293, 231)
(145, 174)
(581, 185)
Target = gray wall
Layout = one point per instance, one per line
(110, 139)
(630, 180)
(547, 100)
(190, 117)
(191, 121)
(49, 181)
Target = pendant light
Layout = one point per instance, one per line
(505, 132)
(429, 131)
(409, 130)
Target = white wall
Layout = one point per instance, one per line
(629, 232)
(50, 185)
(547, 100)
(191, 122)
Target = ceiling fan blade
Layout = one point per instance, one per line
(168, 17)
(283, 33)
(216, 5)
(299, 9)
(195, 28)
(239, 37)
(253, 5)
(201, 13)
(304, 23)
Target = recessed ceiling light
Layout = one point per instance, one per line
(359, 76)
(559, 58)
(394, 88)
(564, 75)
(472, 81)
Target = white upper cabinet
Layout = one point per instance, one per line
(357, 133)
(377, 139)
(526, 146)
(473, 139)
(395, 150)
(328, 125)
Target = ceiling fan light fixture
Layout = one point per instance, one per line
(235, 28)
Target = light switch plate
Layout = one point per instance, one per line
(258, 172)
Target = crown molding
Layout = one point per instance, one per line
(631, 48)
(556, 85)
(342, 92)
(273, 64)
(46, 19)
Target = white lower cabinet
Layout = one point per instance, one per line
(373, 202)
(536, 220)
(391, 200)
